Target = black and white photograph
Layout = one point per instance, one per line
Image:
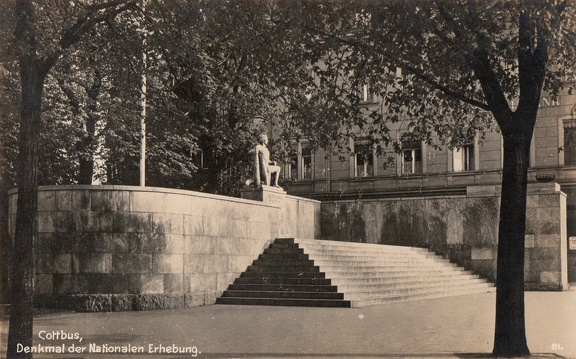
(290, 179)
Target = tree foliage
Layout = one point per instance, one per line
(443, 71)
(463, 64)
(36, 52)
(209, 73)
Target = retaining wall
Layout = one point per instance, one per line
(462, 228)
(111, 248)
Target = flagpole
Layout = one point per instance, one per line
(143, 104)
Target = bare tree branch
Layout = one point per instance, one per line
(410, 69)
(105, 5)
(445, 89)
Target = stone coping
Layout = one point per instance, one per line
(146, 189)
(395, 199)
(496, 190)
(303, 199)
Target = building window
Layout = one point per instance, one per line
(411, 157)
(463, 159)
(306, 163)
(291, 170)
(570, 143)
(363, 160)
(300, 164)
(366, 94)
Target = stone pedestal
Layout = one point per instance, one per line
(546, 266)
(266, 194)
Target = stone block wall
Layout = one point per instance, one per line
(300, 216)
(126, 248)
(462, 228)
(571, 221)
(546, 266)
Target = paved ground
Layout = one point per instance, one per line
(457, 327)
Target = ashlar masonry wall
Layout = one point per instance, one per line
(462, 228)
(112, 248)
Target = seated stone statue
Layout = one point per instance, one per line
(263, 167)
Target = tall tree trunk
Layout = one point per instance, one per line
(33, 71)
(32, 75)
(21, 309)
(510, 332)
(517, 131)
(5, 241)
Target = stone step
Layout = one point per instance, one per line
(285, 302)
(369, 257)
(347, 273)
(321, 258)
(354, 286)
(399, 278)
(282, 294)
(308, 272)
(413, 296)
(348, 278)
(385, 279)
(310, 244)
(258, 274)
(349, 255)
(312, 248)
(282, 281)
(284, 287)
(353, 246)
(415, 289)
(390, 272)
(343, 252)
(371, 265)
(275, 250)
(284, 268)
(287, 261)
(347, 262)
(283, 256)
(334, 250)
(343, 261)
(284, 245)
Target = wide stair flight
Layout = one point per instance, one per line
(320, 273)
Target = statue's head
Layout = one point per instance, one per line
(263, 138)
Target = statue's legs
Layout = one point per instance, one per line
(267, 175)
(276, 171)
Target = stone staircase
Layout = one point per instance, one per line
(319, 273)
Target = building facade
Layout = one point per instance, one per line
(420, 170)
